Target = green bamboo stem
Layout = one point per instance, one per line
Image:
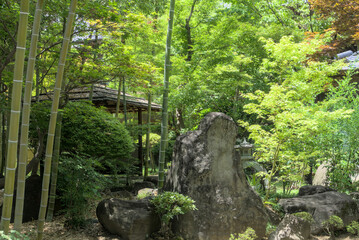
(15, 116)
(55, 166)
(53, 118)
(124, 100)
(164, 124)
(1, 141)
(20, 192)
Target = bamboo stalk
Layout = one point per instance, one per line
(164, 124)
(55, 166)
(15, 116)
(20, 193)
(53, 118)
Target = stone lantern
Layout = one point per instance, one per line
(245, 150)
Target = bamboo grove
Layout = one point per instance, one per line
(194, 57)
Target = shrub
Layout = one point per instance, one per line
(78, 184)
(332, 224)
(13, 235)
(87, 130)
(171, 204)
(249, 234)
(353, 228)
(304, 216)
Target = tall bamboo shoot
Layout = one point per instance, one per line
(164, 123)
(20, 192)
(15, 116)
(53, 118)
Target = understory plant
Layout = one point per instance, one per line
(170, 204)
(332, 224)
(353, 228)
(13, 235)
(249, 234)
(78, 185)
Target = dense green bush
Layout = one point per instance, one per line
(78, 185)
(86, 130)
(249, 234)
(170, 204)
(13, 235)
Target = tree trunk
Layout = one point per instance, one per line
(15, 116)
(164, 124)
(53, 118)
(124, 100)
(148, 133)
(55, 165)
(118, 99)
(20, 191)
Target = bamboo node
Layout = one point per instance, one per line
(10, 169)
(5, 219)
(26, 13)
(17, 80)
(21, 48)
(8, 195)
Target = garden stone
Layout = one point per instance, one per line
(148, 192)
(322, 206)
(131, 220)
(140, 185)
(320, 177)
(313, 189)
(207, 168)
(122, 195)
(32, 199)
(291, 228)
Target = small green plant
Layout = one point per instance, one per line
(304, 216)
(13, 235)
(353, 228)
(332, 224)
(270, 228)
(170, 204)
(249, 234)
(78, 185)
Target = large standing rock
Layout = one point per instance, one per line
(206, 167)
(291, 228)
(322, 206)
(320, 177)
(32, 199)
(131, 220)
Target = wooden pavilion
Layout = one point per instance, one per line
(106, 97)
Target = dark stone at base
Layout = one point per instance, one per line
(140, 185)
(322, 206)
(32, 199)
(131, 220)
(314, 189)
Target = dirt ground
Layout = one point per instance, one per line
(56, 230)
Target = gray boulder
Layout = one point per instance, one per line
(291, 228)
(313, 189)
(322, 206)
(131, 220)
(207, 168)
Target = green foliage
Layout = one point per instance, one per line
(305, 216)
(291, 118)
(79, 184)
(353, 228)
(332, 224)
(339, 145)
(249, 234)
(270, 228)
(87, 130)
(13, 235)
(170, 204)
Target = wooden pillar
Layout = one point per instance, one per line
(140, 149)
